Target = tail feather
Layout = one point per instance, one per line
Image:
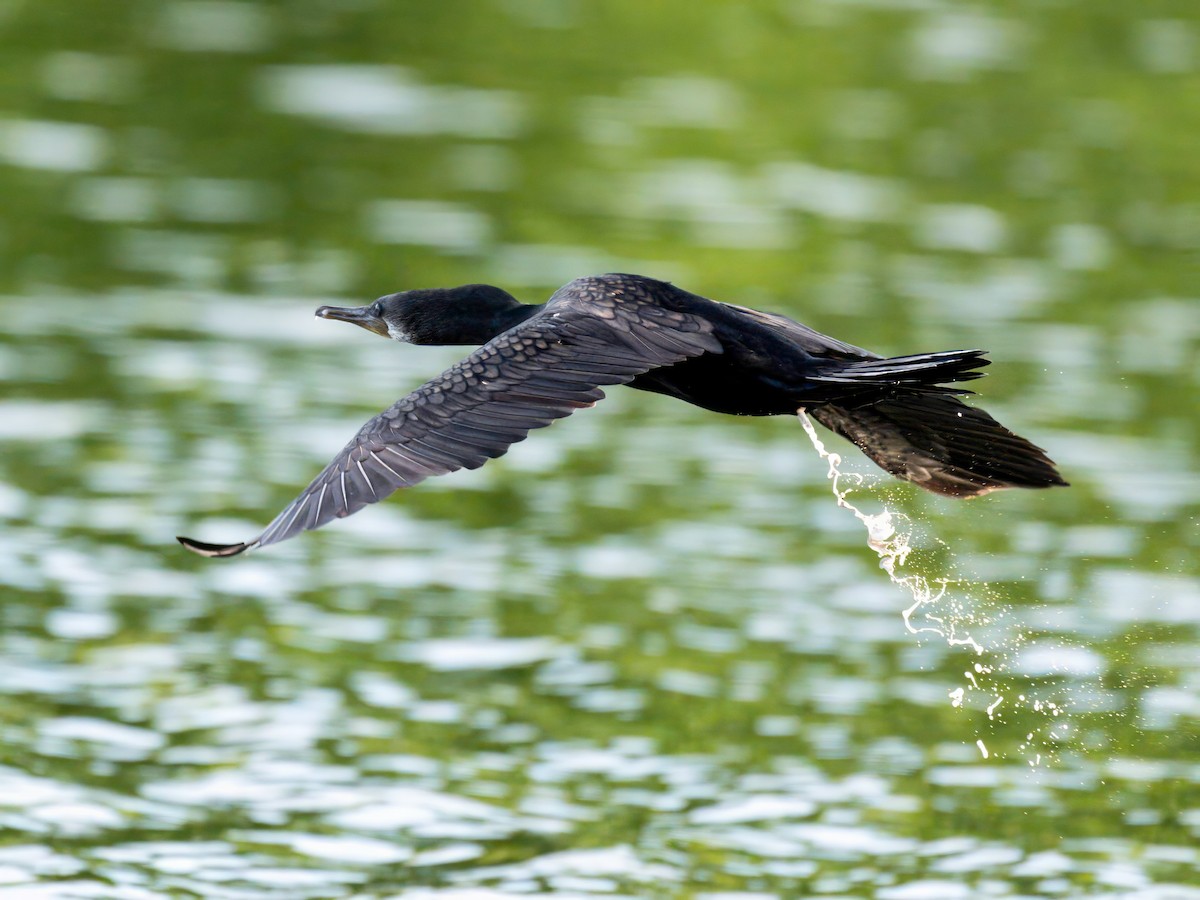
(923, 370)
(918, 433)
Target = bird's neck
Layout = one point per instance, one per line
(510, 318)
(468, 316)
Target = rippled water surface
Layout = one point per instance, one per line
(646, 653)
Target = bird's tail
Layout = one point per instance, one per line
(901, 413)
(923, 372)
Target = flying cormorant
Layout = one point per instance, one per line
(535, 364)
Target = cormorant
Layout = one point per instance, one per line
(535, 364)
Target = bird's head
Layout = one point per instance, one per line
(471, 314)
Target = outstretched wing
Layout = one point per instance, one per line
(808, 339)
(543, 369)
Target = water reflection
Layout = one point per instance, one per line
(55, 146)
(388, 100)
(646, 654)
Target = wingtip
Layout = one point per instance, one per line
(213, 550)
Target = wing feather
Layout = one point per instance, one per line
(588, 335)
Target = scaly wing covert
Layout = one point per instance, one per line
(539, 371)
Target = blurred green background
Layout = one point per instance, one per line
(644, 654)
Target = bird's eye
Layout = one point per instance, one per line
(377, 310)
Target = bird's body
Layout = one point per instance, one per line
(539, 363)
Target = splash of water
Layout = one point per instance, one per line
(893, 547)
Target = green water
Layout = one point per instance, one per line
(645, 654)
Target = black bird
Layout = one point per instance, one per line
(535, 364)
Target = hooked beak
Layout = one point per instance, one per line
(359, 315)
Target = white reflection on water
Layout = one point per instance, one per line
(115, 199)
(213, 26)
(39, 422)
(955, 45)
(220, 199)
(961, 226)
(72, 75)
(1081, 246)
(57, 146)
(835, 193)
(1167, 45)
(999, 289)
(389, 100)
(452, 227)
(106, 740)
(686, 101)
(756, 808)
(620, 861)
(457, 654)
(681, 101)
(722, 208)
